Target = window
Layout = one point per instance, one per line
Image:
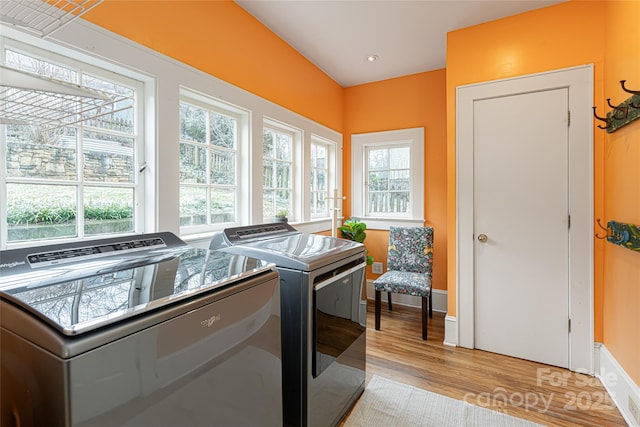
(91, 177)
(73, 177)
(208, 164)
(278, 172)
(388, 171)
(388, 177)
(319, 179)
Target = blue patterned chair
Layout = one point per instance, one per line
(409, 265)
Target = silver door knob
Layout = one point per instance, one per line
(482, 238)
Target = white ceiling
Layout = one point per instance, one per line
(408, 36)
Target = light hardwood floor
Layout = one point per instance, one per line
(534, 391)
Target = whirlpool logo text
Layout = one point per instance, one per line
(12, 264)
(207, 323)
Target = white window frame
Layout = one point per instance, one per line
(360, 145)
(295, 211)
(85, 65)
(241, 116)
(330, 148)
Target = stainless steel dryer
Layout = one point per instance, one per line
(138, 331)
(323, 317)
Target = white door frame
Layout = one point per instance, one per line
(579, 81)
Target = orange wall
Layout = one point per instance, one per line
(575, 33)
(406, 102)
(621, 291)
(222, 39)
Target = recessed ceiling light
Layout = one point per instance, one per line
(372, 58)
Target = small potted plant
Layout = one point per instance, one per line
(281, 215)
(353, 229)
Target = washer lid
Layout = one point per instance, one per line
(66, 261)
(300, 251)
(121, 291)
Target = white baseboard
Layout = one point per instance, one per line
(450, 331)
(619, 385)
(439, 298)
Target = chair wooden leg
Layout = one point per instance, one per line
(424, 318)
(378, 304)
(430, 305)
(389, 301)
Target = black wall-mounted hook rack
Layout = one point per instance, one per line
(621, 114)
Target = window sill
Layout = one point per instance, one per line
(313, 226)
(202, 240)
(385, 223)
(199, 240)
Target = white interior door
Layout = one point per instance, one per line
(578, 81)
(521, 205)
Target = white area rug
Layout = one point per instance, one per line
(387, 403)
